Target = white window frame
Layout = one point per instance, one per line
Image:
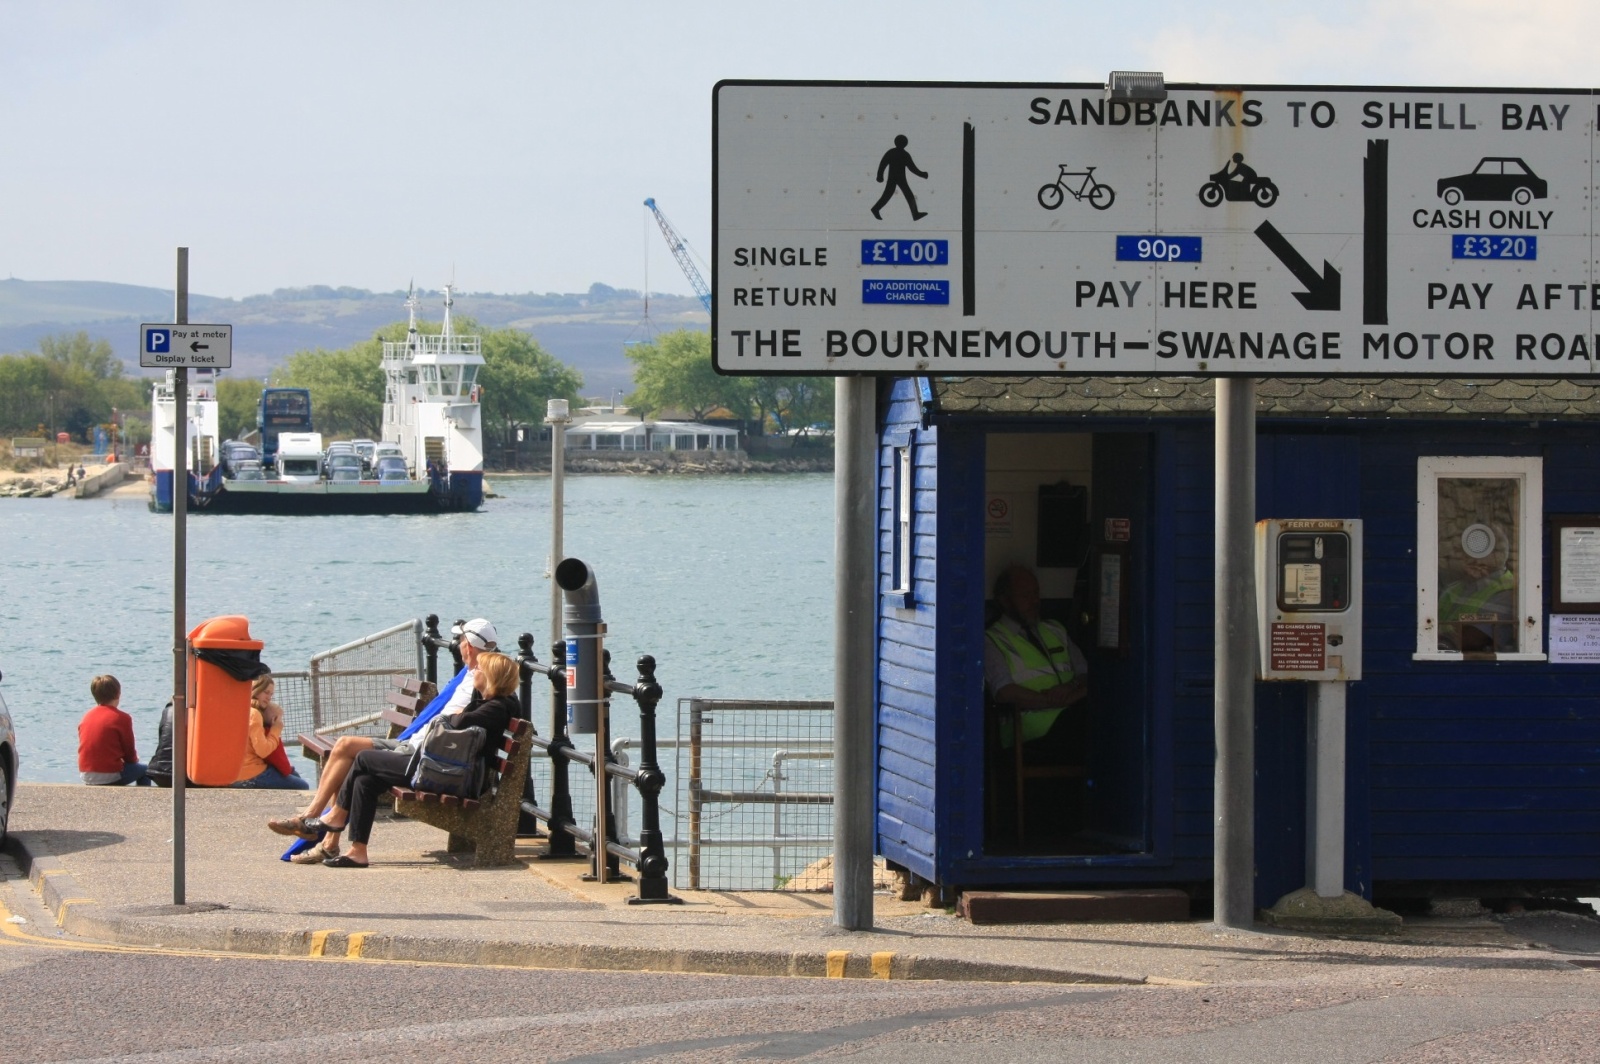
(1530, 550)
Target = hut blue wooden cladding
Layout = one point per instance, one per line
(1467, 775)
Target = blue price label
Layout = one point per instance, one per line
(927, 293)
(1158, 249)
(1516, 247)
(905, 252)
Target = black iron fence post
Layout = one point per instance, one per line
(652, 850)
(607, 832)
(527, 823)
(455, 646)
(562, 844)
(431, 643)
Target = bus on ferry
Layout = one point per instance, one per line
(281, 410)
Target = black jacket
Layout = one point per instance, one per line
(493, 715)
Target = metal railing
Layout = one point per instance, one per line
(649, 855)
(713, 782)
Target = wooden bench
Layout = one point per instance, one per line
(404, 700)
(485, 826)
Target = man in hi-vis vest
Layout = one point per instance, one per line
(1032, 664)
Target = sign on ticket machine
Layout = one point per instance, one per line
(1042, 229)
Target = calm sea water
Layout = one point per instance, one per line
(726, 580)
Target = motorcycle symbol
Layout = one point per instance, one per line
(1236, 183)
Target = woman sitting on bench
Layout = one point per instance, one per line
(493, 705)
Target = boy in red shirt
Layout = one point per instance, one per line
(106, 756)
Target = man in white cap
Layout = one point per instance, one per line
(473, 637)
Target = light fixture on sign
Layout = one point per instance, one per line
(1136, 85)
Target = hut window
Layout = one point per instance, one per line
(902, 520)
(1479, 558)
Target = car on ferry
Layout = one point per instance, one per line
(8, 766)
(343, 468)
(368, 450)
(391, 468)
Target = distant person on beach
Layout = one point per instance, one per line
(106, 754)
(375, 771)
(80, 472)
(477, 637)
(266, 766)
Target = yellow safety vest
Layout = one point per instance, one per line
(1033, 669)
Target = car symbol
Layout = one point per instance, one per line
(1496, 177)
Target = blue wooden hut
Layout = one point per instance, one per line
(1474, 773)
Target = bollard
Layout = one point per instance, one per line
(562, 844)
(652, 848)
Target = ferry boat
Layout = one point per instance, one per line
(430, 412)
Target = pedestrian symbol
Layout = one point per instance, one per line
(897, 161)
(158, 341)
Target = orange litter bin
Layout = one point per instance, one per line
(219, 705)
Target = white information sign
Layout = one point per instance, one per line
(1580, 564)
(194, 346)
(994, 229)
(1575, 638)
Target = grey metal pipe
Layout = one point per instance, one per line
(584, 652)
(1234, 659)
(586, 683)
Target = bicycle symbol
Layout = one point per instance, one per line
(1099, 195)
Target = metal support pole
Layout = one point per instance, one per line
(855, 552)
(180, 590)
(652, 847)
(1325, 790)
(1234, 657)
(556, 416)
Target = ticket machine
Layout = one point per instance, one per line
(1308, 618)
(1308, 599)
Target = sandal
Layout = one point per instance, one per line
(342, 861)
(292, 825)
(315, 855)
(316, 825)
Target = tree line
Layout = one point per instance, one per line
(673, 372)
(71, 384)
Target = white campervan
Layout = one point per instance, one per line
(300, 456)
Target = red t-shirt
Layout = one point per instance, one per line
(105, 740)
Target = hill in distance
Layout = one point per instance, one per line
(588, 330)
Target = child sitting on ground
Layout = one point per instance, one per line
(106, 755)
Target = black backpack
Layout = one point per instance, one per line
(450, 761)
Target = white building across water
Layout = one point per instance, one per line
(629, 434)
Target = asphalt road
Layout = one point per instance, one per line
(67, 1001)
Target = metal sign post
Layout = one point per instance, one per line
(180, 590)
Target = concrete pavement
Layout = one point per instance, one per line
(100, 860)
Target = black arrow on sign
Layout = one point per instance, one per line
(198, 346)
(1322, 293)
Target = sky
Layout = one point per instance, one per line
(508, 146)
